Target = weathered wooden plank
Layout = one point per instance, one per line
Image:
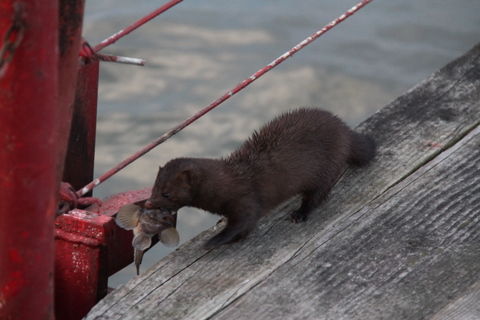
(466, 307)
(404, 255)
(193, 283)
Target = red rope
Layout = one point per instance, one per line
(226, 96)
(114, 38)
(69, 199)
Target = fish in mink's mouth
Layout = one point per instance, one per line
(145, 224)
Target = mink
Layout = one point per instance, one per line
(301, 152)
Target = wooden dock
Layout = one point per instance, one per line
(399, 239)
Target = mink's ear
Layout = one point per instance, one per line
(185, 177)
(188, 174)
(157, 183)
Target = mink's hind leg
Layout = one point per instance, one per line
(310, 200)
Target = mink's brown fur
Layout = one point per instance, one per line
(300, 152)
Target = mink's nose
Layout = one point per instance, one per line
(148, 204)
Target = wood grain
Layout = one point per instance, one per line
(398, 239)
(409, 252)
(466, 307)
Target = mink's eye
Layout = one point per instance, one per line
(166, 195)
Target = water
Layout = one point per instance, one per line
(200, 49)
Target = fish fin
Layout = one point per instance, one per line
(170, 237)
(128, 216)
(138, 257)
(141, 241)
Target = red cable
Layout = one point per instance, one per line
(217, 102)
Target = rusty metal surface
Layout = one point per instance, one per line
(69, 40)
(81, 147)
(111, 205)
(89, 245)
(29, 160)
(38, 83)
(80, 254)
(89, 248)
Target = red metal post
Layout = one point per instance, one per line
(80, 156)
(70, 39)
(89, 248)
(80, 259)
(80, 240)
(88, 244)
(29, 156)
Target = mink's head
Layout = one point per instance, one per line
(173, 185)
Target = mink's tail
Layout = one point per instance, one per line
(362, 149)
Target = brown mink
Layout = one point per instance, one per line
(300, 152)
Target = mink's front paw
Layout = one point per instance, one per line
(214, 242)
(298, 216)
(219, 239)
(224, 237)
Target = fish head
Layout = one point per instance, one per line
(153, 221)
(147, 223)
(161, 222)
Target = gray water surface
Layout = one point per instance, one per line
(200, 49)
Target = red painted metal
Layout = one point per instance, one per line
(80, 156)
(70, 40)
(87, 53)
(112, 204)
(80, 239)
(89, 245)
(35, 118)
(29, 159)
(81, 147)
(220, 100)
(89, 248)
(79, 243)
(114, 38)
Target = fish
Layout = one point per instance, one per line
(145, 224)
